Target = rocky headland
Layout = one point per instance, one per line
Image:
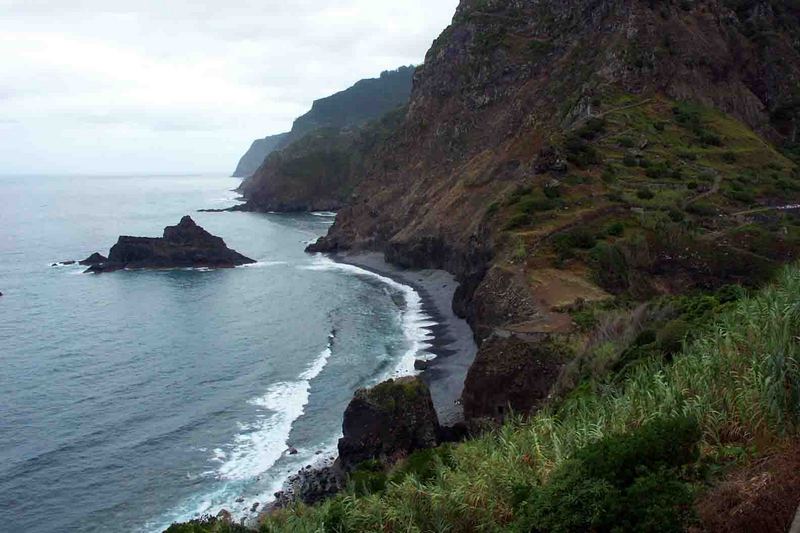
(350, 109)
(381, 426)
(185, 245)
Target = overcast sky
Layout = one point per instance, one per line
(184, 86)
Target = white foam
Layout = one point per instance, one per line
(264, 264)
(326, 214)
(260, 445)
(254, 451)
(415, 321)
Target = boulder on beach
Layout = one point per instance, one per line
(94, 259)
(185, 245)
(388, 422)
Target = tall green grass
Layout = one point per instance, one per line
(739, 379)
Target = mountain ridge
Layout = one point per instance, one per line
(366, 100)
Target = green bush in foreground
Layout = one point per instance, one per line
(739, 380)
(630, 482)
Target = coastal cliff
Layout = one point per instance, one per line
(365, 101)
(614, 185)
(318, 172)
(258, 151)
(555, 156)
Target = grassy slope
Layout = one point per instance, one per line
(740, 379)
(651, 184)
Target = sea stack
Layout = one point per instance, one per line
(94, 259)
(185, 245)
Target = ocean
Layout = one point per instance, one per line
(134, 399)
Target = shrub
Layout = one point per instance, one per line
(701, 208)
(615, 229)
(593, 127)
(626, 142)
(625, 482)
(424, 464)
(552, 191)
(745, 197)
(368, 478)
(710, 139)
(610, 267)
(517, 220)
(676, 215)
(579, 152)
(534, 203)
(609, 174)
(577, 238)
(629, 161)
(645, 194)
(729, 157)
(657, 445)
(670, 337)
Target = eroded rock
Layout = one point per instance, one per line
(94, 259)
(510, 374)
(185, 245)
(388, 422)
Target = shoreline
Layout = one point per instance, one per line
(453, 343)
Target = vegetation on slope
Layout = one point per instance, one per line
(650, 440)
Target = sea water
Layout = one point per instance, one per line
(134, 399)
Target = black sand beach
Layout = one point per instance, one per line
(453, 344)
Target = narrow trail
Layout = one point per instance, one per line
(713, 190)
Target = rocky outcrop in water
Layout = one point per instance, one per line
(185, 245)
(387, 423)
(94, 259)
(384, 423)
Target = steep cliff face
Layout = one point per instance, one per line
(507, 78)
(320, 171)
(365, 101)
(536, 125)
(258, 151)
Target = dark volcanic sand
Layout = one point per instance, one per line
(453, 342)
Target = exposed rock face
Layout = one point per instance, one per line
(182, 246)
(310, 486)
(497, 94)
(94, 259)
(388, 422)
(318, 172)
(510, 375)
(506, 75)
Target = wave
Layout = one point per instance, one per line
(256, 450)
(264, 264)
(325, 214)
(259, 446)
(416, 323)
